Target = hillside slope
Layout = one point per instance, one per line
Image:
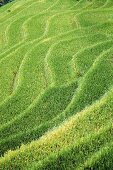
(56, 85)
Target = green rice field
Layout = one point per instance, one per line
(56, 85)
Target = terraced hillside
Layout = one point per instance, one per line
(56, 85)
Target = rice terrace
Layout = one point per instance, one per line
(56, 85)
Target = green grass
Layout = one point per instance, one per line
(56, 85)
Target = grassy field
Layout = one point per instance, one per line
(56, 85)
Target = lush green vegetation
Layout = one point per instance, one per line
(56, 85)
